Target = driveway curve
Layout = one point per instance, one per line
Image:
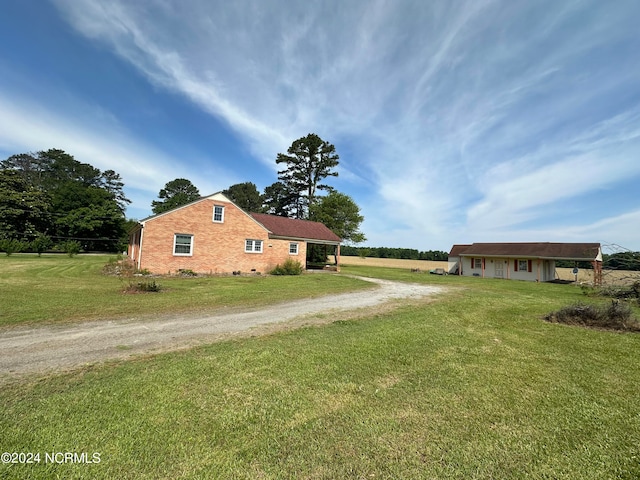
(62, 347)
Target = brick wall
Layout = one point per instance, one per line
(217, 247)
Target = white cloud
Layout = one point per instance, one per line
(488, 111)
(93, 136)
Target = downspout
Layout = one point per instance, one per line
(140, 248)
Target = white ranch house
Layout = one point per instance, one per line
(534, 261)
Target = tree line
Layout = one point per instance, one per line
(50, 200)
(395, 253)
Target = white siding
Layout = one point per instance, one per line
(541, 270)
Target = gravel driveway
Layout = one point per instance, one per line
(61, 347)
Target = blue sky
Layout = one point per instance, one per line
(455, 121)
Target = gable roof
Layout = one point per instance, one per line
(456, 250)
(565, 251)
(296, 229)
(216, 196)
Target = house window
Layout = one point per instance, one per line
(477, 263)
(218, 213)
(182, 244)
(253, 246)
(293, 248)
(523, 266)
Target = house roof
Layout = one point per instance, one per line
(456, 250)
(294, 228)
(565, 251)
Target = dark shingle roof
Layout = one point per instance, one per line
(566, 251)
(456, 250)
(294, 228)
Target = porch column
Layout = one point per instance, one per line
(337, 257)
(597, 273)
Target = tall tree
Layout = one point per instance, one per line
(175, 193)
(29, 166)
(341, 215)
(112, 183)
(309, 161)
(246, 196)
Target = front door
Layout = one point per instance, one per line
(499, 266)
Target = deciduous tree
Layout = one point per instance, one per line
(24, 211)
(341, 214)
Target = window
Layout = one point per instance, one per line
(293, 248)
(253, 246)
(182, 244)
(477, 263)
(218, 213)
(523, 266)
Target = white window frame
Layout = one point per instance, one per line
(176, 244)
(294, 248)
(477, 263)
(521, 263)
(253, 246)
(221, 214)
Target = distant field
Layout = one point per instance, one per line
(584, 276)
(391, 263)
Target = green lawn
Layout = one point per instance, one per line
(471, 385)
(56, 288)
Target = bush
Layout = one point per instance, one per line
(143, 287)
(11, 246)
(187, 272)
(616, 315)
(120, 266)
(41, 244)
(289, 267)
(71, 247)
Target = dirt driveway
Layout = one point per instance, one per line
(55, 348)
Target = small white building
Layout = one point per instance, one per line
(534, 261)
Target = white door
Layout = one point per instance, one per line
(499, 266)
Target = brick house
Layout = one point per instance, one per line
(534, 261)
(214, 235)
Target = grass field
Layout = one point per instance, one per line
(471, 385)
(56, 288)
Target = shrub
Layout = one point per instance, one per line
(143, 287)
(11, 246)
(120, 266)
(71, 247)
(41, 244)
(616, 315)
(187, 272)
(289, 267)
